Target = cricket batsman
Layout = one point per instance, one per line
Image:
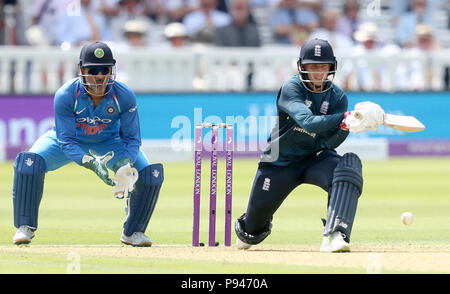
(97, 127)
(313, 122)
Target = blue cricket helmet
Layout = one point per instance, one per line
(317, 51)
(97, 55)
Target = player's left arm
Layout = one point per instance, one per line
(130, 131)
(341, 132)
(125, 173)
(291, 102)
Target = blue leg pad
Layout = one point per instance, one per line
(143, 199)
(28, 186)
(343, 197)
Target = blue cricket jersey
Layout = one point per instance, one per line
(308, 122)
(79, 121)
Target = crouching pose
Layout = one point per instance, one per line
(97, 127)
(313, 122)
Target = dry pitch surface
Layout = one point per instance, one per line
(408, 259)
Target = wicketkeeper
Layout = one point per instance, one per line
(97, 127)
(313, 122)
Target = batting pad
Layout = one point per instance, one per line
(143, 199)
(28, 186)
(345, 191)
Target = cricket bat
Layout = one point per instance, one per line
(404, 123)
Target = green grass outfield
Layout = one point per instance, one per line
(80, 223)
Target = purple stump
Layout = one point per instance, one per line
(213, 186)
(198, 148)
(228, 182)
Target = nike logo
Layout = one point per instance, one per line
(78, 112)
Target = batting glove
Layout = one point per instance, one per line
(366, 116)
(371, 112)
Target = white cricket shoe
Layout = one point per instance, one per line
(137, 239)
(335, 243)
(23, 235)
(242, 245)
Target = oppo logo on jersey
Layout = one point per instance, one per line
(92, 130)
(85, 124)
(93, 120)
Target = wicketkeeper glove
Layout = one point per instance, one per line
(125, 178)
(97, 163)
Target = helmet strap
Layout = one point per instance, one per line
(310, 85)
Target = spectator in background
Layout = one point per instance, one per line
(407, 22)
(86, 25)
(135, 37)
(129, 10)
(425, 40)
(328, 31)
(135, 32)
(349, 23)
(400, 7)
(447, 8)
(241, 32)
(155, 10)
(224, 6)
(419, 72)
(367, 38)
(176, 35)
(368, 74)
(46, 19)
(109, 8)
(293, 20)
(12, 23)
(259, 3)
(200, 24)
(177, 9)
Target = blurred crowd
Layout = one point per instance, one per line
(350, 25)
(218, 22)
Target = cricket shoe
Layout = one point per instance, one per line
(23, 235)
(137, 239)
(335, 243)
(242, 245)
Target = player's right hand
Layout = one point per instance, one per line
(366, 116)
(371, 112)
(97, 163)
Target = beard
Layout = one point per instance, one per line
(97, 89)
